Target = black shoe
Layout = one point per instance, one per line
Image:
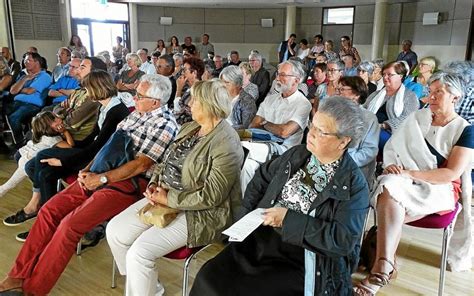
(21, 237)
(93, 237)
(18, 218)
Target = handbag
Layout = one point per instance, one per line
(157, 215)
(368, 249)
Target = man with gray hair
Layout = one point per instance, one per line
(282, 117)
(408, 55)
(261, 78)
(112, 182)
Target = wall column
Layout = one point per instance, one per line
(4, 40)
(133, 20)
(290, 24)
(379, 28)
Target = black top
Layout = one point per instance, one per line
(372, 87)
(112, 119)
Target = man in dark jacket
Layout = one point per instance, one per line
(286, 49)
(261, 78)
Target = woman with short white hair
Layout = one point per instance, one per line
(129, 79)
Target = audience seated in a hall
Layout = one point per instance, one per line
(193, 68)
(261, 77)
(365, 150)
(49, 165)
(62, 68)
(365, 71)
(206, 149)
(120, 174)
(47, 131)
(423, 163)
(283, 116)
(315, 200)
(205, 47)
(66, 85)
(129, 78)
(30, 92)
(165, 67)
(411, 84)
(393, 103)
(243, 108)
(15, 66)
(248, 86)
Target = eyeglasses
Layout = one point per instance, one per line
(279, 74)
(346, 88)
(320, 133)
(253, 60)
(140, 97)
(333, 70)
(389, 75)
(361, 71)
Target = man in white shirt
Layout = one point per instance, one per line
(284, 115)
(146, 66)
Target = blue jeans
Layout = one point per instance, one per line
(21, 113)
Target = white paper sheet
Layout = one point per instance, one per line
(245, 226)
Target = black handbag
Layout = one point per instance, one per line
(368, 249)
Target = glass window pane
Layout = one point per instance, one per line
(336, 16)
(94, 10)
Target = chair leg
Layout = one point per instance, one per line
(114, 276)
(444, 257)
(59, 185)
(79, 248)
(187, 262)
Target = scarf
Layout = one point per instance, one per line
(378, 101)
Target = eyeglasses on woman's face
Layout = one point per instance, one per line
(390, 75)
(319, 132)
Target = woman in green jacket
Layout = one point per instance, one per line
(199, 176)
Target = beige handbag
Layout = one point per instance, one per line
(158, 215)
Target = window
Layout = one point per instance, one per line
(338, 16)
(93, 9)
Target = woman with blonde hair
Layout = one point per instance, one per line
(247, 86)
(129, 79)
(426, 68)
(199, 176)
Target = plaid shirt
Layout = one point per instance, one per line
(151, 132)
(466, 108)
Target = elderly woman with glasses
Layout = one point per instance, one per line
(393, 103)
(365, 71)
(423, 160)
(199, 176)
(314, 200)
(242, 104)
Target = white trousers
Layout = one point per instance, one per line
(16, 178)
(136, 247)
(259, 153)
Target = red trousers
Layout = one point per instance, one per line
(60, 224)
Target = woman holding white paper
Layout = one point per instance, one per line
(199, 176)
(316, 199)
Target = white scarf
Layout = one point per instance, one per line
(378, 100)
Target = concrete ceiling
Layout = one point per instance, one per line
(256, 3)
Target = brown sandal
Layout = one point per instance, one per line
(379, 279)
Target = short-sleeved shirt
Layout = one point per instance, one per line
(40, 83)
(204, 49)
(60, 71)
(129, 80)
(279, 110)
(466, 107)
(151, 132)
(410, 57)
(191, 49)
(65, 82)
(148, 68)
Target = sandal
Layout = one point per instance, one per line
(378, 279)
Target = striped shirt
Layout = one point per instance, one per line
(151, 132)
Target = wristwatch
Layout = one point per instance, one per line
(103, 179)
